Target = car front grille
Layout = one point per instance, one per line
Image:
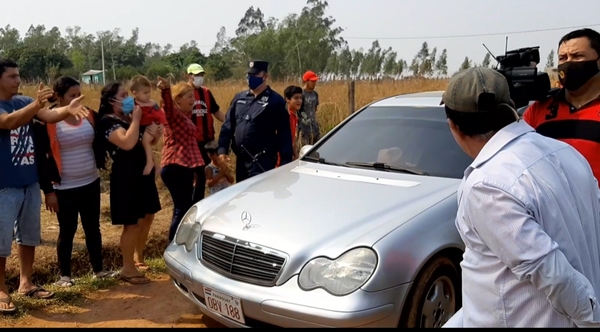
(241, 260)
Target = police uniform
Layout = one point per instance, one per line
(257, 129)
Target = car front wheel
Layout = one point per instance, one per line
(435, 296)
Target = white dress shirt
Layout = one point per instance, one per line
(529, 214)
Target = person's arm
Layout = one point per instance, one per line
(58, 114)
(167, 105)
(316, 102)
(522, 245)
(226, 173)
(19, 117)
(210, 180)
(215, 109)
(284, 133)
(294, 150)
(124, 139)
(227, 128)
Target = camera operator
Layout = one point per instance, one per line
(572, 113)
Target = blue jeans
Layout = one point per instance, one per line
(20, 217)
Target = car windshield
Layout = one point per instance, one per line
(416, 139)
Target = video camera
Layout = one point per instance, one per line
(519, 67)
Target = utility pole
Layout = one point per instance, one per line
(112, 60)
(103, 71)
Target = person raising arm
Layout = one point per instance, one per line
(37, 108)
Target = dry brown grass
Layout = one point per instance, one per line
(334, 108)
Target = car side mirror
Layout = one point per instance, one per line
(304, 150)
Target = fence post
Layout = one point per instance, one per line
(351, 97)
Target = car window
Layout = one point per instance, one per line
(406, 137)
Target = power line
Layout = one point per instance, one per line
(461, 36)
(473, 35)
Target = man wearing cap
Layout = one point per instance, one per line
(528, 213)
(308, 126)
(204, 105)
(256, 127)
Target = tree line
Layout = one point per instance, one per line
(298, 42)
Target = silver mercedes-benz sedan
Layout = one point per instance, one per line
(359, 232)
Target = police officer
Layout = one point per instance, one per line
(256, 126)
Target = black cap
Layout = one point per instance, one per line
(256, 66)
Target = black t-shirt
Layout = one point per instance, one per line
(128, 161)
(202, 109)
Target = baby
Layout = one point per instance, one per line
(151, 113)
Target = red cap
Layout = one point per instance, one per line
(310, 76)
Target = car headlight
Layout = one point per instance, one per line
(187, 232)
(340, 276)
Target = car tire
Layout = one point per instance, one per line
(433, 289)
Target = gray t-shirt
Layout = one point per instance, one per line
(307, 116)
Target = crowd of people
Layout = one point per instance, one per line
(54, 144)
(528, 205)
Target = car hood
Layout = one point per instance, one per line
(305, 209)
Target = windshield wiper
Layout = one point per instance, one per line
(386, 167)
(322, 161)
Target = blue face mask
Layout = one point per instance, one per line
(254, 82)
(127, 105)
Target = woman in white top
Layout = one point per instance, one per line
(71, 182)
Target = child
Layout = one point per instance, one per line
(151, 113)
(218, 176)
(308, 125)
(293, 97)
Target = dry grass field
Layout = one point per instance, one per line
(334, 108)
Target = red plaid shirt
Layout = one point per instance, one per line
(180, 146)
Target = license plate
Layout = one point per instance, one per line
(226, 305)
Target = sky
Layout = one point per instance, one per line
(400, 24)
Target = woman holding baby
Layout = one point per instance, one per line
(133, 194)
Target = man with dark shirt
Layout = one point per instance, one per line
(204, 105)
(256, 127)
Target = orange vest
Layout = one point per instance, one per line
(204, 121)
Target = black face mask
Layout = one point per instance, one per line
(574, 74)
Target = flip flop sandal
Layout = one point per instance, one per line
(8, 311)
(136, 280)
(64, 282)
(34, 293)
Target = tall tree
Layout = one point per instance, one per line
(550, 60)
(466, 64)
(486, 60)
(441, 65)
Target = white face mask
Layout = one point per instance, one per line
(198, 81)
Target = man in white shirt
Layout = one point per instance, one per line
(528, 212)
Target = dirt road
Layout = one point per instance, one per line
(157, 304)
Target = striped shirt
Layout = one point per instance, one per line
(78, 161)
(529, 215)
(579, 127)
